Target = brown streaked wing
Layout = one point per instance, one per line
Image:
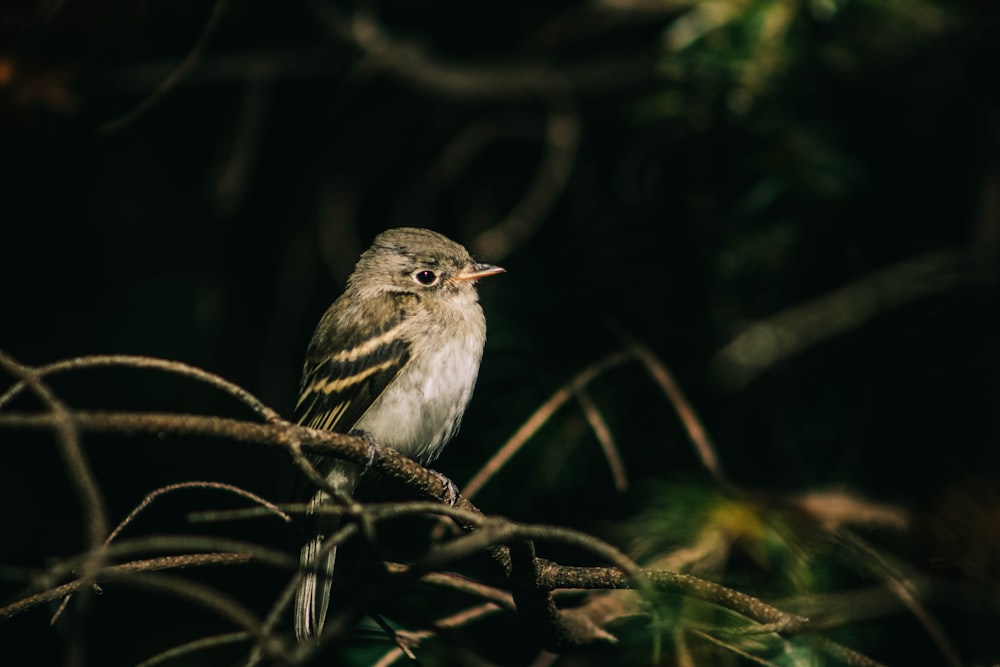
(338, 389)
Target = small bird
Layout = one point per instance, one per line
(394, 359)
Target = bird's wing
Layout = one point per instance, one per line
(345, 372)
(340, 386)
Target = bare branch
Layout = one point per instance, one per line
(605, 437)
(151, 496)
(538, 419)
(175, 487)
(132, 361)
(770, 341)
(412, 639)
(696, 431)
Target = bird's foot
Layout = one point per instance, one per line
(374, 449)
(450, 490)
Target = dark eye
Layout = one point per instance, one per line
(425, 277)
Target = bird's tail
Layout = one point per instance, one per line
(313, 594)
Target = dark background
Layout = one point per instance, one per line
(781, 155)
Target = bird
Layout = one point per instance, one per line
(394, 359)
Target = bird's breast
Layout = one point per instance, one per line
(422, 408)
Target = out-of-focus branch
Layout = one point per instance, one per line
(195, 647)
(561, 140)
(696, 430)
(792, 331)
(635, 351)
(418, 66)
(168, 84)
(905, 591)
(538, 419)
(415, 65)
(603, 433)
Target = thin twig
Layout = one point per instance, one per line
(538, 419)
(604, 436)
(397, 638)
(271, 507)
(168, 84)
(194, 647)
(730, 647)
(455, 620)
(696, 431)
(131, 547)
(153, 495)
(900, 585)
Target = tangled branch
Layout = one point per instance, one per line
(532, 580)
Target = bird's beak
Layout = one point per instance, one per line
(477, 271)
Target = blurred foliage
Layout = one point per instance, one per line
(678, 170)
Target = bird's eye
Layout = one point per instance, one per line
(425, 277)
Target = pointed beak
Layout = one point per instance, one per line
(477, 271)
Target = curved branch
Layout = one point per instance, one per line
(175, 77)
(153, 495)
(562, 138)
(532, 577)
(415, 65)
(117, 571)
(135, 361)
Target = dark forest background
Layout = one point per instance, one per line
(794, 205)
